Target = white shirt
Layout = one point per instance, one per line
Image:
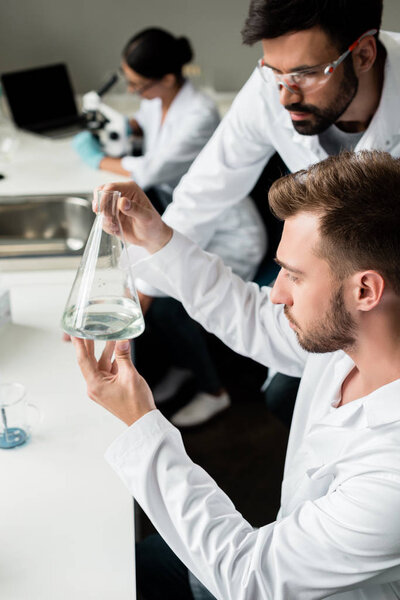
(338, 529)
(171, 147)
(255, 127)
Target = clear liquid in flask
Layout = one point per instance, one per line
(107, 318)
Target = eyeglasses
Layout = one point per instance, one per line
(136, 88)
(139, 89)
(307, 79)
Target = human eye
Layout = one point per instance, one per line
(290, 277)
(303, 77)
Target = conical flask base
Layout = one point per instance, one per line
(108, 318)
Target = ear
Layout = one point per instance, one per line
(364, 55)
(368, 290)
(169, 80)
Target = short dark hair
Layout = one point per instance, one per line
(342, 20)
(155, 52)
(357, 199)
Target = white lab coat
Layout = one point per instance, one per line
(338, 530)
(169, 148)
(239, 233)
(255, 127)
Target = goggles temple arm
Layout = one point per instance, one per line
(333, 65)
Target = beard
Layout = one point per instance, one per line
(325, 117)
(334, 331)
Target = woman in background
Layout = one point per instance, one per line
(174, 119)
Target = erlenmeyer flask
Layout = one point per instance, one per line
(103, 303)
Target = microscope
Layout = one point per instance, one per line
(108, 125)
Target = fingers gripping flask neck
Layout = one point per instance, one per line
(103, 303)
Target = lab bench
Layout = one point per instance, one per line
(66, 520)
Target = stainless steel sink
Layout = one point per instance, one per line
(37, 226)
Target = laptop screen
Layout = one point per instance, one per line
(41, 97)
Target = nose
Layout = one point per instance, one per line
(280, 293)
(288, 94)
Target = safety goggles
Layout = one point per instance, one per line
(309, 79)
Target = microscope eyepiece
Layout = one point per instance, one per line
(108, 85)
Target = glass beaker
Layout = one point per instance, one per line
(103, 303)
(16, 415)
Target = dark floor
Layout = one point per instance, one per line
(243, 449)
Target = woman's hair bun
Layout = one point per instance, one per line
(184, 50)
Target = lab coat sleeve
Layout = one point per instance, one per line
(161, 165)
(239, 313)
(333, 543)
(227, 168)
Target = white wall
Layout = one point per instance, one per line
(89, 35)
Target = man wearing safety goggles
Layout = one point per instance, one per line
(327, 81)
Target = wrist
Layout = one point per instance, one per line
(162, 239)
(131, 418)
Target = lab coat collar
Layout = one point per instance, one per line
(381, 407)
(383, 131)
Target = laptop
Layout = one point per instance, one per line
(41, 100)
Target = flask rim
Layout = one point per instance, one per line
(106, 202)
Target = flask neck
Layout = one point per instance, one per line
(107, 204)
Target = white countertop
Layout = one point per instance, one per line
(41, 165)
(66, 521)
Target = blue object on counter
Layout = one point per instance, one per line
(88, 148)
(13, 436)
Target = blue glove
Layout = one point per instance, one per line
(88, 148)
(129, 129)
